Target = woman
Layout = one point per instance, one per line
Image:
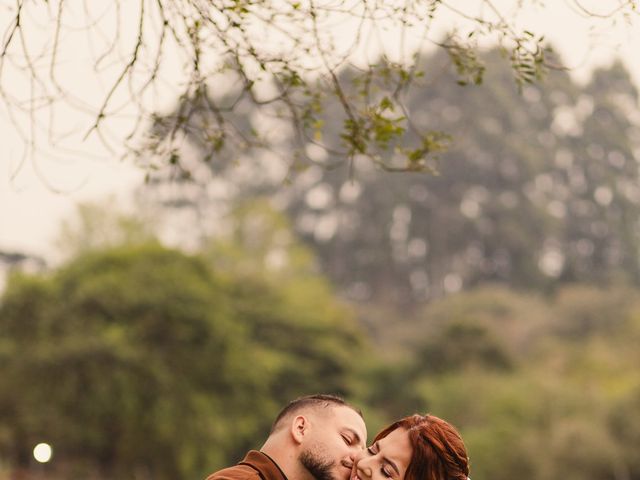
(418, 447)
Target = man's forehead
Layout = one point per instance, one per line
(351, 420)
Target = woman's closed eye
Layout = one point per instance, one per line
(386, 471)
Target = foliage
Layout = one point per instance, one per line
(98, 226)
(540, 189)
(284, 58)
(560, 408)
(140, 360)
(287, 307)
(126, 331)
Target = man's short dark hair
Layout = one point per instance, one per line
(320, 400)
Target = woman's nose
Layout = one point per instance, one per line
(364, 468)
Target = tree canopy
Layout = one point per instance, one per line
(540, 189)
(140, 360)
(134, 359)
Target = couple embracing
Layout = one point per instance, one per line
(321, 437)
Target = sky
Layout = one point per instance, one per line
(41, 190)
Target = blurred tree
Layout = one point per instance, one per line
(563, 406)
(586, 312)
(625, 426)
(17, 260)
(97, 226)
(540, 188)
(464, 345)
(307, 338)
(136, 358)
(127, 361)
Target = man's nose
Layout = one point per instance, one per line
(357, 454)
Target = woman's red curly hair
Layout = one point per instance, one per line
(438, 450)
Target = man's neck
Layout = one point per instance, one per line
(286, 458)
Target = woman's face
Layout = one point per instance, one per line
(388, 458)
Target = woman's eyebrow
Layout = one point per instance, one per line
(393, 465)
(387, 460)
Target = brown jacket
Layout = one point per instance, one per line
(255, 466)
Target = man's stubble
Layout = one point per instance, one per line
(318, 467)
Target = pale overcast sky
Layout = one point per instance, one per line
(31, 208)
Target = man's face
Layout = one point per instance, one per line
(336, 437)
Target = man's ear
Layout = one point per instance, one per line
(299, 428)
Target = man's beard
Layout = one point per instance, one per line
(319, 468)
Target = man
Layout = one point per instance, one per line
(313, 438)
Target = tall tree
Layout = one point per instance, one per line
(134, 358)
(126, 361)
(540, 188)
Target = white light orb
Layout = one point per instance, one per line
(42, 452)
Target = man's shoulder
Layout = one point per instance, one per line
(237, 472)
(255, 466)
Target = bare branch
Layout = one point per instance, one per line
(127, 68)
(611, 13)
